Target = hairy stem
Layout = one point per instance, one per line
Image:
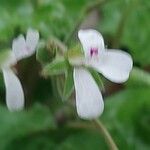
(107, 136)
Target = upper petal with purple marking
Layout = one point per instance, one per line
(92, 42)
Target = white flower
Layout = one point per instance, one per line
(21, 48)
(115, 65)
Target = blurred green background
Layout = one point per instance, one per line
(48, 123)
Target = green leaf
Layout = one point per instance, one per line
(58, 17)
(19, 124)
(33, 142)
(69, 84)
(60, 139)
(92, 141)
(136, 33)
(131, 23)
(126, 116)
(58, 66)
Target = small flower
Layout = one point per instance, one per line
(21, 48)
(115, 65)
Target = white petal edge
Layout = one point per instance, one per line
(89, 101)
(115, 65)
(14, 91)
(90, 38)
(19, 47)
(32, 39)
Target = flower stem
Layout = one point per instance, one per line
(107, 136)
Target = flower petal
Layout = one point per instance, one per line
(19, 47)
(89, 101)
(24, 48)
(32, 40)
(91, 39)
(115, 65)
(14, 91)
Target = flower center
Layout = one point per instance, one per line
(93, 51)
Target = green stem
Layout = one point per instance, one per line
(107, 136)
